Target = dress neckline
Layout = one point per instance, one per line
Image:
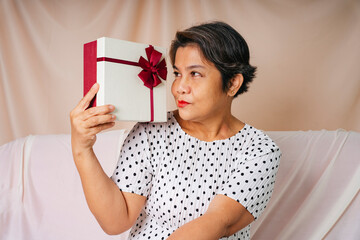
(198, 140)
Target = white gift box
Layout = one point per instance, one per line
(137, 88)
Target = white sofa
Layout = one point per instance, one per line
(316, 194)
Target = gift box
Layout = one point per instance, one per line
(131, 77)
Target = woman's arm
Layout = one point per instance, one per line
(223, 218)
(228, 216)
(115, 211)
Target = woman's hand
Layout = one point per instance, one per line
(86, 123)
(116, 211)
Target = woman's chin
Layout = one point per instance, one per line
(186, 114)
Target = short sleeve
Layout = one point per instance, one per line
(133, 172)
(252, 183)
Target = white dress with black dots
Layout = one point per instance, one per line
(180, 174)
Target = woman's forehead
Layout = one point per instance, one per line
(191, 56)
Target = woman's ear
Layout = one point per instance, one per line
(235, 84)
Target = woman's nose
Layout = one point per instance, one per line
(183, 86)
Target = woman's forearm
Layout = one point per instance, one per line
(207, 227)
(105, 200)
(101, 193)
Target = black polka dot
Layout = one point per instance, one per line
(180, 175)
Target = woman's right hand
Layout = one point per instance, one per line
(87, 122)
(116, 211)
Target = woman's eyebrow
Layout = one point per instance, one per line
(190, 67)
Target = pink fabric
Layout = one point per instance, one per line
(316, 193)
(318, 179)
(45, 200)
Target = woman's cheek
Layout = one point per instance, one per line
(173, 88)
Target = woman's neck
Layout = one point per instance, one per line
(219, 127)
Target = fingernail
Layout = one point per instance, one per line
(111, 107)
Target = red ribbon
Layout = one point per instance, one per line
(151, 72)
(152, 69)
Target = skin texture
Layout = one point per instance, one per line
(206, 117)
(100, 191)
(197, 81)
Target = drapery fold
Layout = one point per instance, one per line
(319, 182)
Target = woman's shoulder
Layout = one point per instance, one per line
(256, 142)
(257, 135)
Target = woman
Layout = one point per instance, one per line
(203, 174)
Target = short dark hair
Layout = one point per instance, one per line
(223, 46)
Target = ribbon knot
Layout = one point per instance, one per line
(152, 69)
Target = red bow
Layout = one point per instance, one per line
(152, 69)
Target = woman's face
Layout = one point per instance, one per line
(197, 87)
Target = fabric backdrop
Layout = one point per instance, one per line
(307, 54)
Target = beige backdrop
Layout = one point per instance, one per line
(307, 53)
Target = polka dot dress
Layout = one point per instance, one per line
(180, 174)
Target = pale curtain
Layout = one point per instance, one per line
(307, 53)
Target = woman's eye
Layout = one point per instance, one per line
(176, 74)
(195, 74)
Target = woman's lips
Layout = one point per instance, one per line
(182, 103)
